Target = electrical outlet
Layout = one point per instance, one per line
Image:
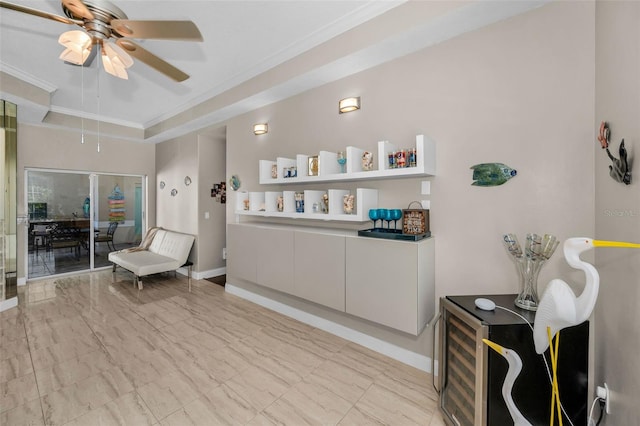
(224, 253)
(604, 394)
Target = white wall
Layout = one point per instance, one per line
(212, 232)
(519, 92)
(617, 209)
(176, 160)
(201, 156)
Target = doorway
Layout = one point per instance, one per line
(75, 219)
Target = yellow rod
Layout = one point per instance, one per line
(553, 386)
(601, 243)
(555, 379)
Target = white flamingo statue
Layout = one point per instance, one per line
(515, 366)
(559, 307)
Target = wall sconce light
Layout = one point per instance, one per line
(260, 129)
(348, 104)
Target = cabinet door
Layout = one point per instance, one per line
(319, 271)
(241, 252)
(381, 282)
(274, 249)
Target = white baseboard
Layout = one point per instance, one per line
(182, 271)
(211, 273)
(203, 274)
(8, 303)
(405, 356)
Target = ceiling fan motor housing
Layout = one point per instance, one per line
(103, 12)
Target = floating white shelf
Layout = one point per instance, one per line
(329, 170)
(264, 204)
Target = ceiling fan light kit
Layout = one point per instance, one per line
(115, 60)
(78, 46)
(103, 22)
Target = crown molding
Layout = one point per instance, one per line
(27, 78)
(96, 117)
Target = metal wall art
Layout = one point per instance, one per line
(491, 174)
(619, 170)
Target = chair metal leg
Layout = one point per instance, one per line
(113, 274)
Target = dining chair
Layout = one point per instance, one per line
(108, 237)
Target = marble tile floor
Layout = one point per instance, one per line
(100, 353)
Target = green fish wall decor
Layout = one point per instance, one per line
(491, 174)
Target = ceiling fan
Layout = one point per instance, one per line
(108, 28)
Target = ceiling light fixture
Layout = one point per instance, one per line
(78, 46)
(115, 59)
(260, 128)
(348, 105)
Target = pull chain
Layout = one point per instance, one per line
(82, 103)
(98, 90)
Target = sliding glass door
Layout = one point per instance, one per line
(77, 218)
(117, 215)
(59, 230)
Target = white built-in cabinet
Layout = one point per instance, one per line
(319, 265)
(391, 282)
(274, 251)
(242, 253)
(387, 282)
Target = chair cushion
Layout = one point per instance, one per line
(172, 244)
(144, 262)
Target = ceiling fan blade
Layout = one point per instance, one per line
(40, 13)
(78, 8)
(152, 60)
(166, 30)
